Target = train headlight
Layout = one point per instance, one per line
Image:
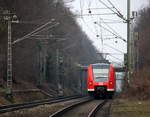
(90, 83)
(110, 83)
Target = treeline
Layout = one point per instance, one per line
(41, 62)
(141, 78)
(143, 29)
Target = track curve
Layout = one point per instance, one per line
(86, 108)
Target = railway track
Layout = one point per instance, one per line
(13, 107)
(86, 108)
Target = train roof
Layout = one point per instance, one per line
(100, 64)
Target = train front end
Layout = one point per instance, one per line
(101, 80)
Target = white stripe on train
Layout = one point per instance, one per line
(107, 90)
(90, 89)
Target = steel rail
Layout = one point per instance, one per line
(97, 108)
(13, 107)
(66, 109)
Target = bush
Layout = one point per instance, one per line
(140, 85)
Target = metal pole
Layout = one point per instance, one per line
(9, 59)
(57, 70)
(40, 64)
(128, 39)
(42, 61)
(137, 48)
(131, 47)
(81, 76)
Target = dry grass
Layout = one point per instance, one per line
(139, 85)
(22, 98)
(130, 108)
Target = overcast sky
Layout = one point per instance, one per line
(105, 42)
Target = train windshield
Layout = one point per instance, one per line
(100, 72)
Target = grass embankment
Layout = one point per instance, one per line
(135, 100)
(21, 97)
(130, 108)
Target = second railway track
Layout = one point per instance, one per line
(13, 107)
(86, 108)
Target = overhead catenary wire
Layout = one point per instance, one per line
(112, 32)
(90, 2)
(36, 31)
(118, 63)
(81, 7)
(115, 12)
(110, 27)
(98, 14)
(114, 48)
(109, 38)
(87, 26)
(107, 6)
(100, 30)
(82, 18)
(114, 53)
(115, 57)
(92, 8)
(101, 36)
(113, 20)
(104, 24)
(96, 29)
(119, 14)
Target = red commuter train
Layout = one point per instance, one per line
(101, 80)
